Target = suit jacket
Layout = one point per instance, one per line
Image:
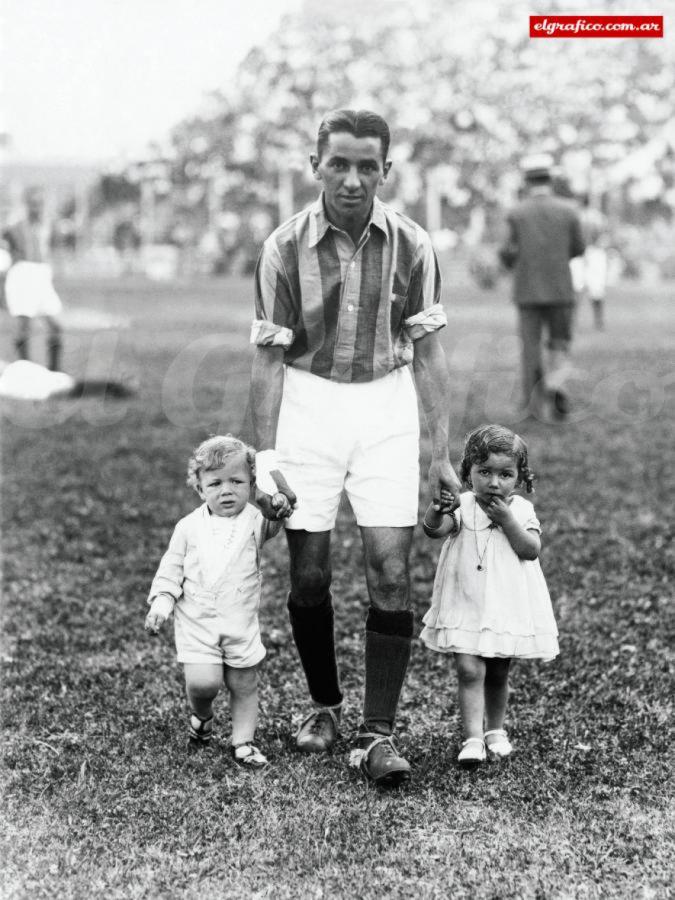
(544, 233)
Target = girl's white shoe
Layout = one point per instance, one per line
(500, 745)
(472, 752)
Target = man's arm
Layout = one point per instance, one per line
(433, 388)
(267, 384)
(508, 252)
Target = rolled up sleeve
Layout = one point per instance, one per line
(266, 334)
(431, 319)
(275, 310)
(423, 307)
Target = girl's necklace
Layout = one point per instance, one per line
(491, 527)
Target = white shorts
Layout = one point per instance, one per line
(204, 637)
(589, 272)
(596, 272)
(361, 437)
(29, 291)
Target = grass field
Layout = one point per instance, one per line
(100, 797)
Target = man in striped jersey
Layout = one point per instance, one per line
(347, 309)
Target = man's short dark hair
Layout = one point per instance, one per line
(359, 122)
(537, 178)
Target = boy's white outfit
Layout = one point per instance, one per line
(211, 576)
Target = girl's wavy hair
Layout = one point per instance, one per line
(214, 453)
(487, 439)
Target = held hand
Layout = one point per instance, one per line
(282, 504)
(279, 505)
(444, 486)
(446, 504)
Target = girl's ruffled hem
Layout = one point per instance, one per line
(488, 643)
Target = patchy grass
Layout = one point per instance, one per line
(100, 797)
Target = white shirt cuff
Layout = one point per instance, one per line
(431, 319)
(266, 461)
(266, 334)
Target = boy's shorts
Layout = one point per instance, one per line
(205, 637)
(363, 437)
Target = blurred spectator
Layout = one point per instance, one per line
(589, 272)
(29, 290)
(127, 241)
(544, 233)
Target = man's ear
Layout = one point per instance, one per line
(385, 171)
(314, 162)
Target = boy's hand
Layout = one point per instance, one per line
(160, 610)
(154, 621)
(279, 505)
(282, 505)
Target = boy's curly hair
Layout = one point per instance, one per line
(214, 452)
(487, 439)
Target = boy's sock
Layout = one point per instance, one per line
(200, 731)
(312, 628)
(388, 642)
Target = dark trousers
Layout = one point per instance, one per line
(556, 320)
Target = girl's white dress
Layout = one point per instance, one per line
(502, 609)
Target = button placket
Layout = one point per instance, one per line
(346, 326)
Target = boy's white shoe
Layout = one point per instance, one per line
(472, 752)
(500, 745)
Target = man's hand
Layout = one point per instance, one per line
(279, 505)
(444, 486)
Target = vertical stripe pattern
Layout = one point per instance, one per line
(346, 305)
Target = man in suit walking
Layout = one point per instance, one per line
(544, 233)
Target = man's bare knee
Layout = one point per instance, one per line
(390, 581)
(310, 583)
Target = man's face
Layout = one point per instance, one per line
(351, 170)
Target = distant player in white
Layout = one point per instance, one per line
(29, 290)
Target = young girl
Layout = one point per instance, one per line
(490, 602)
(210, 578)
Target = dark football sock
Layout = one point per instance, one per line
(54, 354)
(312, 628)
(388, 642)
(21, 348)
